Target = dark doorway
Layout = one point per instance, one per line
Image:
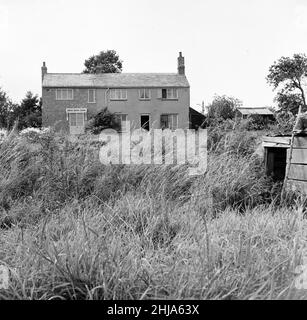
(276, 162)
(145, 121)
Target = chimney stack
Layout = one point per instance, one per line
(203, 107)
(44, 70)
(181, 67)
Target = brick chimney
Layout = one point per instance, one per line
(181, 67)
(44, 70)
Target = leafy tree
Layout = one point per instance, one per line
(3, 109)
(103, 120)
(6, 110)
(29, 112)
(288, 102)
(104, 62)
(222, 108)
(289, 74)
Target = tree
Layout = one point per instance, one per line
(105, 62)
(288, 102)
(289, 74)
(29, 112)
(6, 110)
(222, 108)
(103, 120)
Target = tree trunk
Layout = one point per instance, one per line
(304, 100)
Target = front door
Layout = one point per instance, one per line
(76, 123)
(145, 121)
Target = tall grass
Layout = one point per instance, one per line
(73, 228)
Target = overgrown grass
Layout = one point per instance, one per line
(73, 228)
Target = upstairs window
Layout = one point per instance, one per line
(91, 96)
(144, 94)
(170, 94)
(64, 94)
(118, 94)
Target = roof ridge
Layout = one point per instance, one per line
(116, 79)
(120, 73)
(253, 107)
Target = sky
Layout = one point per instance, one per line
(228, 45)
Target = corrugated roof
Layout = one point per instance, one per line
(115, 80)
(255, 110)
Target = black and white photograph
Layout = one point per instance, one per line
(153, 154)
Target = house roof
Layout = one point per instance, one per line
(196, 113)
(255, 110)
(115, 80)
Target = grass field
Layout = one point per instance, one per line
(72, 228)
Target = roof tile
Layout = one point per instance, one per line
(115, 80)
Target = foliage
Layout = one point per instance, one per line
(222, 108)
(289, 102)
(103, 120)
(76, 229)
(34, 134)
(29, 112)
(288, 74)
(257, 122)
(285, 122)
(3, 134)
(105, 62)
(6, 110)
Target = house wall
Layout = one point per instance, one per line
(54, 111)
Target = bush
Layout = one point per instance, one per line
(34, 134)
(285, 122)
(103, 120)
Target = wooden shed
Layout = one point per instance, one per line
(276, 156)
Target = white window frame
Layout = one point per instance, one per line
(76, 110)
(59, 94)
(173, 125)
(171, 93)
(118, 94)
(143, 90)
(94, 96)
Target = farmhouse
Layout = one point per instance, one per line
(148, 100)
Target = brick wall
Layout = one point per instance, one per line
(54, 111)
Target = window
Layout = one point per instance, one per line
(76, 119)
(123, 121)
(64, 94)
(91, 96)
(169, 121)
(170, 93)
(118, 94)
(144, 94)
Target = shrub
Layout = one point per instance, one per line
(103, 120)
(34, 134)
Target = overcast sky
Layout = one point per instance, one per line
(228, 44)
